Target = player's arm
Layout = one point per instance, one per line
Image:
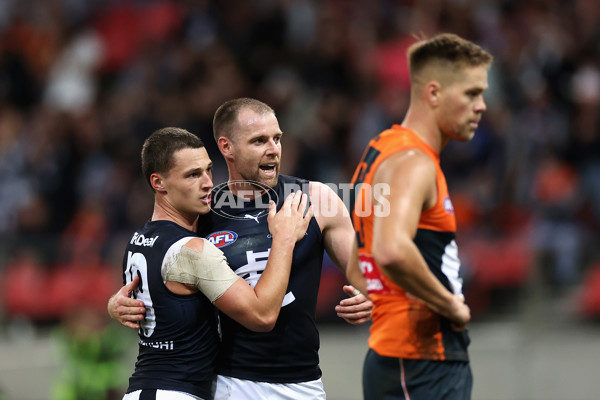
(353, 272)
(201, 266)
(258, 308)
(411, 177)
(338, 235)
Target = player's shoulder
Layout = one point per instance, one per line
(410, 163)
(317, 188)
(202, 245)
(198, 244)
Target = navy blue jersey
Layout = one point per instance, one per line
(289, 353)
(178, 340)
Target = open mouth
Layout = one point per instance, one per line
(268, 168)
(206, 199)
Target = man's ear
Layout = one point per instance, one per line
(156, 180)
(225, 146)
(433, 91)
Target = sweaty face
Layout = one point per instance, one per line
(189, 182)
(256, 148)
(462, 104)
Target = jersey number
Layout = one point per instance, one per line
(137, 266)
(251, 272)
(364, 167)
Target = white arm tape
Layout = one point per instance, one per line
(207, 270)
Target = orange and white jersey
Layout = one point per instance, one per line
(403, 326)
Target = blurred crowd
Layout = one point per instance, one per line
(83, 83)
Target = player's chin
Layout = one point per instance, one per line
(465, 136)
(269, 181)
(204, 209)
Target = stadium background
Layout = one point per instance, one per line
(83, 83)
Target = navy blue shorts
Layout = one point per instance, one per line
(388, 378)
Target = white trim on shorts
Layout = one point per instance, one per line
(240, 389)
(163, 395)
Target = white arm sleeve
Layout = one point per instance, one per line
(207, 270)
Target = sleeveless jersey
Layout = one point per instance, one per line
(404, 327)
(289, 353)
(178, 340)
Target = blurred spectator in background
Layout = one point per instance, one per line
(557, 201)
(81, 82)
(92, 354)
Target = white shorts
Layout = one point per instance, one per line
(163, 395)
(241, 389)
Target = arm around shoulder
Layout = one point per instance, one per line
(258, 308)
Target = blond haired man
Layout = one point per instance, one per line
(407, 258)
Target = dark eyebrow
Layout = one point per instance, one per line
(190, 171)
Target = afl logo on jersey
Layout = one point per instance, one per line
(448, 205)
(222, 238)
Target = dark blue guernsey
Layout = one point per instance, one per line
(289, 353)
(178, 339)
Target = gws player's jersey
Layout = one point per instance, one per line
(178, 339)
(403, 327)
(289, 353)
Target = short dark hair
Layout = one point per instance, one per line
(159, 147)
(449, 51)
(226, 114)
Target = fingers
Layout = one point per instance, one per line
(357, 300)
(357, 321)
(131, 325)
(354, 304)
(292, 200)
(131, 307)
(298, 199)
(130, 287)
(296, 202)
(302, 203)
(272, 209)
(354, 310)
(309, 213)
(131, 320)
(286, 206)
(126, 305)
(291, 203)
(130, 316)
(355, 318)
(350, 290)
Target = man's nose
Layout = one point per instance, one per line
(273, 147)
(481, 106)
(207, 182)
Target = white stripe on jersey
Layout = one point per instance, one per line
(451, 266)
